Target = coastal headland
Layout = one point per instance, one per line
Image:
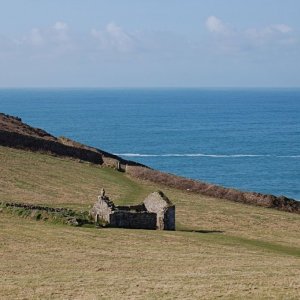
(16, 134)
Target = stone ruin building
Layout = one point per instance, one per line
(156, 212)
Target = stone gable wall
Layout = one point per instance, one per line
(102, 210)
(158, 203)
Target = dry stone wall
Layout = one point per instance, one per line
(134, 220)
(38, 212)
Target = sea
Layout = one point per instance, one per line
(247, 139)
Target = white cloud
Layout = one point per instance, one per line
(60, 26)
(233, 41)
(49, 42)
(110, 43)
(214, 24)
(115, 41)
(115, 38)
(276, 30)
(283, 28)
(61, 31)
(56, 35)
(272, 36)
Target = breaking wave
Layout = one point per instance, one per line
(205, 155)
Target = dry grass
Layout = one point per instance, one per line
(256, 255)
(42, 260)
(38, 178)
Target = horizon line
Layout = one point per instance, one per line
(149, 87)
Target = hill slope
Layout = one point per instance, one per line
(220, 249)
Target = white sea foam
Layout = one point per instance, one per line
(205, 155)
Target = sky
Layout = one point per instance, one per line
(143, 43)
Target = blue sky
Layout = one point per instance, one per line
(139, 43)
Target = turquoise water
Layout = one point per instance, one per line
(243, 138)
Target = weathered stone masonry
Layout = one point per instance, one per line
(156, 212)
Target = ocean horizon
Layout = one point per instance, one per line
(243, 138)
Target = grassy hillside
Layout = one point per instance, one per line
(221, 249)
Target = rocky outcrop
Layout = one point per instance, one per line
(26, 142)
(15, 124)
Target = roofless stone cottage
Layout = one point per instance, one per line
(156, 212)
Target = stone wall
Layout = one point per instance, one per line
(134, 220)
(169, 220)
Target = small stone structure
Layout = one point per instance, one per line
(156, 212)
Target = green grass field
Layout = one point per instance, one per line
(220, 249)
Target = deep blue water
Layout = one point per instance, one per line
(243, 138)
